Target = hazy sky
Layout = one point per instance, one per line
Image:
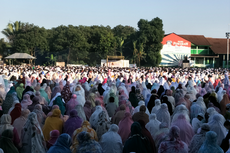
(210, 18)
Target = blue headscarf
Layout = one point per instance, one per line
(210, 144)
(62, 144)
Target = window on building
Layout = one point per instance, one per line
(199, 60)
(193, 47)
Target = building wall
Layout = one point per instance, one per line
(174, 50)
(173, 55)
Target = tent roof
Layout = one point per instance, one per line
(20, 56)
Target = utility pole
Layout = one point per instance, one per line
(227, 35)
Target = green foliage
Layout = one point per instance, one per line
(30, 40)
(151, 35)
(87, 44)
(3, 46)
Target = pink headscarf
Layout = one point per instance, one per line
(26, 101)
(126, 107)
(125, 127)
(186, 130)
(105, 81)
(203, 92)
(53, 136)
(61, 85)
(122, 93)
(71, 104)
(83, 80)
(100, 99)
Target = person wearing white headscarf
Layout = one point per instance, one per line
(162, 134)
(180, 109)
(171, 99)
(95, 116)
(80, 93)
(86, 86)
(162, 81)
(200, 102)
(107, 89)
(155, 86)
(137, 109)
(192, 93)
(111, 141)
(195, 109)
(217, 126)
(178, 95)
(80, 112)
(157, 106)
(163, 114)
(145, 92)
(197, 122)
(2, 81)
(211, 112)
(226, 81)
(122, 86)
(153, 125)
(198, 139)
(2, 91)
(220, 94)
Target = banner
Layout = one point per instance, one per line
(174, 50)
(61, 64)
(115, 63)
(173, 44)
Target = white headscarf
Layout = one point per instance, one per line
(217, 126)
(220, 94)
(200, 102)
(153, 125)
(180, 109)
(137, 109)
(157, 106)
(80, 95)
(111, 140)
(94, 117)
(163, 114)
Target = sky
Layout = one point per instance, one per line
(210, 18)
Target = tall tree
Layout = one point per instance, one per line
(151, 35)
(31, 40)
(123, 42)
(138, 54)
(12, 29)
(3, 47)
(72, 41)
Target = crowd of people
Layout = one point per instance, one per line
(114, 110)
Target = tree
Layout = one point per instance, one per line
(3, 46)
(141, 54)
(151, 35)
(123, 31)
(123, 42)
(120, 41)
(135, 52)
(138, 54)
(30, 40)
(12, 29)
(71, 40)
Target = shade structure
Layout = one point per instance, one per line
(20, 56)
